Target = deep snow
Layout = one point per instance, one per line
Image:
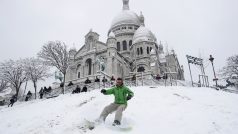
(160, 110)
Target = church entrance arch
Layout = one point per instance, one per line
(78, 70)
(88, 65)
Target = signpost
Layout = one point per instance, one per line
(199, 62)
(212, 59)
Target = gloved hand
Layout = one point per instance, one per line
(103, 91)
(128, 97)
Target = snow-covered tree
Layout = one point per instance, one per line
(3, 85)
(55, 54)
(36, 70)
(230, 71)
(13, 72)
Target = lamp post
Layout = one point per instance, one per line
(100, 61)
(212, 59)
(65, 80)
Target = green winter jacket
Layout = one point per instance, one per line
(120, 93)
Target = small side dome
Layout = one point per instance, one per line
(152, 52)
(161, 47)
(143, 34)
(111, 35)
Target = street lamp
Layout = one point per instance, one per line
(58, 75)
(212, 59)
(101, 62)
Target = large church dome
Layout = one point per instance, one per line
(143, 34)
(126, 17)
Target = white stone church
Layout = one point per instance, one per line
(131, 49)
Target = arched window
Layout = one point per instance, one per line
(78, 74)
(130, 43)
(138, 51)
(141, 69)
(124, 45)
(141, 50)
(148, 51)
(89, 66)
(118, 46)
(78, 70)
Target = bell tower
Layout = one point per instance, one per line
(112, 52)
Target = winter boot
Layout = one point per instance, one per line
(116, 122)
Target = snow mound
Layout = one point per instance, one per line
(153, 110)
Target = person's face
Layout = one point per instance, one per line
(119, 82)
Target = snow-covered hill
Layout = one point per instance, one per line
(160, 110)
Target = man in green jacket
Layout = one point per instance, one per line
(121, 94)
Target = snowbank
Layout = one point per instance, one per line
(165, 110)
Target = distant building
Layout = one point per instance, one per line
(130, 47)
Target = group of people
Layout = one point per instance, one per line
(158, 77)
(28, 95)
(12, 100)
(78, 89)
(87, 81)
(104, 80)
(44, 90)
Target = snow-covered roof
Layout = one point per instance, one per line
(126, 17)
(143, 34)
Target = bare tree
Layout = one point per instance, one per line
(35, 70)
(230, 71)
(13, 73)
(3, 85)
(55, 54)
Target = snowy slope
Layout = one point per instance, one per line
(160, 110)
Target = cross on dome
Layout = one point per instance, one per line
(126, 5)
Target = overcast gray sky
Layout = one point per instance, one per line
(194, 27)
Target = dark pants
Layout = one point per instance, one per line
(41, 96)
(11, 103)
